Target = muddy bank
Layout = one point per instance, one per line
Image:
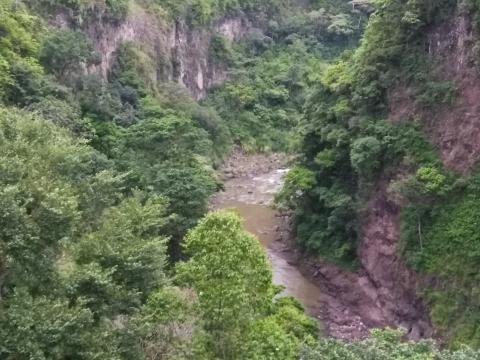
(382, 293)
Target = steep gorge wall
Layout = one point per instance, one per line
(396, 285)
(453, 128)
(181, 53)
(385, 291)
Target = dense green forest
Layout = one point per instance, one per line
(107, 249)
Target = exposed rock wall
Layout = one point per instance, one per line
(180, 52)
(454, 129)
(381, 261)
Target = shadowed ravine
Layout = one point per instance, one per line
(347, 304)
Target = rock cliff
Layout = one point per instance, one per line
(181, 52)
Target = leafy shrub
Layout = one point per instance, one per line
(383, 345)
(86, 10)
(64, 52)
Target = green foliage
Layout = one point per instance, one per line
(82, 11)
(51, 193)
(262, 104)
(169, 325)
(264, 98)
(19, 45)
(445, 244)
(281, 335)
(60, 112)
(393, 48)
(45, 328)
(129, 243)
(46, 179)
(231, 274)
(364, 155)
(297, 180)
(383, 345)
(454, 238)
(344, 146)
(201, 12)
(431, 179)
(433, 93)
(162, 155)
(344, 140)
(98, 177)
(133, 68)
(221, 50)
(64, 52)
(330, 22)
(341, 157)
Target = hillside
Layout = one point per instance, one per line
(387, 171)
(116, 117)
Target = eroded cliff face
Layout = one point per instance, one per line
(396, 285)
(181, 53)
(453, 128)
(455, 131)
(192, 65)
(383, 292)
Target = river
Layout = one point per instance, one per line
(346, 303)
(252, 198)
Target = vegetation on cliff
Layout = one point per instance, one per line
(106, 251)
(349, 146)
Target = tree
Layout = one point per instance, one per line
(63, 52)
(383, 345)
(45, 328)
(164, 156)
(230, 272)
(365, 155)
(47, 180)
(60, 112)
(19, 38)
(129, 244)
(280, 335)
(170, 326)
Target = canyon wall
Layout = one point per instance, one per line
(453, 128)
(181, 52)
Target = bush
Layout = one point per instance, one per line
(64, 52)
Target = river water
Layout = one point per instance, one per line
(252, 196)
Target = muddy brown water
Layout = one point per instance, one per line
(251, 197)
(263, 222)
